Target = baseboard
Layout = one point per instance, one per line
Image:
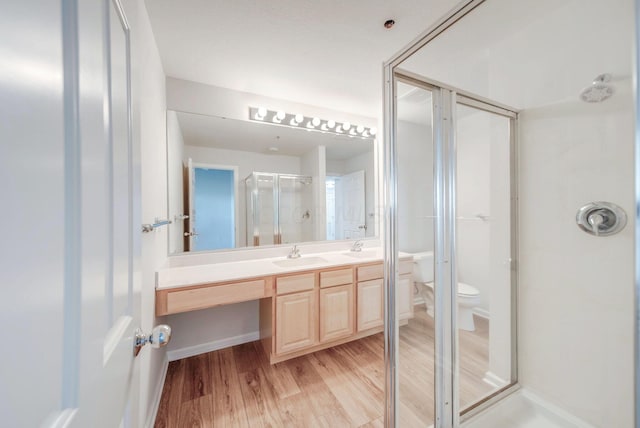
(157, 395)
(481, 313)
(203, 348)
(494, 380)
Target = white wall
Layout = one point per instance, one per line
(200, 331)
(193, 97)
(246, 162)
(149, 105)
(415, 187)
(175, 182)
(576, 290)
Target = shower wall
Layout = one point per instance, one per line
(576, 290)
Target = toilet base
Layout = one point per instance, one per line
(465, 313)
(465, 319)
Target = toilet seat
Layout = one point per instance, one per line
(463, 289)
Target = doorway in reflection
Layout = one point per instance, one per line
(214, 200)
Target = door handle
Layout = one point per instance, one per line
(190, 234)
(363, 226)
(159, 337)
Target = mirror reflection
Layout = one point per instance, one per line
(234, 183)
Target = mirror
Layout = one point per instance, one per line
(236, 183)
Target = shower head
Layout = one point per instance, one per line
(598, 91)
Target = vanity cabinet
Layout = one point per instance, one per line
(337, 304)
(404, 302)
(371, 294)
(304, 312)
(296, 321)
(370, 304)
(296, 313)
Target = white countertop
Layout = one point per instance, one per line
(202, 274)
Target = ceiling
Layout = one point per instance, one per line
(325, 53)
(232, 134)
(527, 60)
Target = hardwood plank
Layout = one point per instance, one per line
(260, 399)
(171, 400)
(197, 379)
(281, 377)
(245, 356)
(334, 418)
(296, 411)
(378, 423)
(196, 413)
(325, 406)
(360, 403)
(228, 404)
(340, 386)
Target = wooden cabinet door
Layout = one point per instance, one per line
(336, 312)
(404, 297)
(370, 304)
(296, 321)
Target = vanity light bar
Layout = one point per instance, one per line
(279, 117)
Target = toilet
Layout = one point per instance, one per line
(468, 295)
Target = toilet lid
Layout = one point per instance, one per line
(463, 289)
(467, 290)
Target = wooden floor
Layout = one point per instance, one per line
(338, 387)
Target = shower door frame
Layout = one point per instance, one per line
(445, 98)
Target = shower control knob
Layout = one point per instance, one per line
(601, 218)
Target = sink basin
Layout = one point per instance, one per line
(361, 254)
(302, 261)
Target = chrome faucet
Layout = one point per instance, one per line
(357, 246)
(295, 253)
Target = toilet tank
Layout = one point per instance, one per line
(423, 267)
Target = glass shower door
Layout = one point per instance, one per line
(295, 209)
(261, 209)
(485, 213)
(415, 286)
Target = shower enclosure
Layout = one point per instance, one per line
(509, 154)
(279, 208)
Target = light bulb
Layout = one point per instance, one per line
(373, 131)
(346, 126)
(360, 129)
(315, 121)
(331, 124)
(280, 115)
(262, 112)
(299, 118)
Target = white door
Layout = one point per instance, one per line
(353, 205)
(70, 244)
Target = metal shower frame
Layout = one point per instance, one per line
(445, 98)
